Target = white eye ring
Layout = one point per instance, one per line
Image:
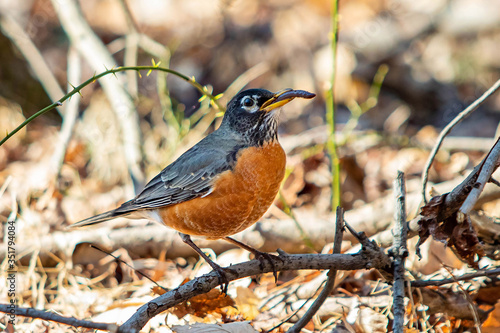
(248, 102)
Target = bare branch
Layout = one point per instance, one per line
(386, 270)
(399, 252)
(451, 303)
(461, 116)
(465, 277)
(363, 260)
(52, 316)
(488, 167)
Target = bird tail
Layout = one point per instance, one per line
(98, 218)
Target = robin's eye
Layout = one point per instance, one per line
(247, 101)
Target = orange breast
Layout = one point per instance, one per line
(239, 197)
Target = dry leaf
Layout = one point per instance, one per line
(247, 303)
(371, 321)
(461, 237)
(492, 323)
(201, 305)
(158, 290)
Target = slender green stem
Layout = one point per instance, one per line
(330, 112)
(357, 110)
(203, 90)
(374, 92)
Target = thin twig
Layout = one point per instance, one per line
(52, 316)
(450, 303)
(154, 48)
(369, 245)
(131, 21)
(128, 265)
(330, 282)
(190, 80)
(399, 252)
(298, 309)
(465, 277)
(494, 181)
(488, 167)
(470, 302)
(424, 320)
(5, 185)
(461, 116)
(413, 316)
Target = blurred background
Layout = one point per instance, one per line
(403, 70)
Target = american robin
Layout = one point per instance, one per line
(223, 184)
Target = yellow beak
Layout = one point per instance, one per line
(283, 97)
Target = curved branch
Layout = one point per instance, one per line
(191, 80)
(365, 259)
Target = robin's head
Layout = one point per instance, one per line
(254, 113)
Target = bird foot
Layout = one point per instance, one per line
(221, 272)
(222, 276)
(259, 255)
(264, 256)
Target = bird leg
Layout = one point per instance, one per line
(261, 256)
(221, 272)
